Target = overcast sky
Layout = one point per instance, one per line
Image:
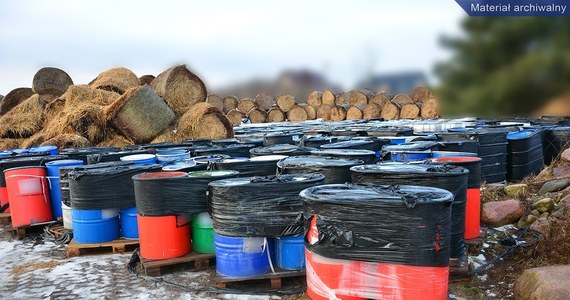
(224, 42)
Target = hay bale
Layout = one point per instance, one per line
(87, 120)
(372, 111)
(354, 113)
(146, 79)
(256, 115)
(342, 99)
(390, 111)
(338, 113)
(77, 95)
(140, 114)
(297, 114)
(35, 140)
(230, 102)
(67, 141)
(275, 115)
(315, 98)
(329, 97)
(409, 111)
(204, 121)
(24, 120)
(311, 111)
(380, 98)
(286, 102)
(114, 139)
(420, 93)
(216, 101)
(235, 116)
(168, 136)
(324, 112)
(264, 101)
(51, 81)
(117, 80)
(245, 104)
(13, 98)
(180, 88)
(6, 144)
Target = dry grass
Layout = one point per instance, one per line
(67, 141)
(13, 98)
(35, 140)
(114, 139)
(6, 144)
(168, 136)
(116, 80)
(33, 266)
(24, 120)
(84, 94)
(86, 120)
(204, 121)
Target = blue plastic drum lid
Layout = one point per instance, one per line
(51, 149)
(168, 156)
(95, 226)
(129, 225)
(452, 154)
(140, 159)
(241, 257)
(290, 252)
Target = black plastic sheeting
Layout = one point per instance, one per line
(275, 138)
(336, 170)
(367, 156)
(103, 188)
(413, 146)
(248, 168)
(459, 146)
(390, 131)
(281, 149)
(24, 161)
(447, 177)
(183, 194)
(267, 206)
(234, 150)
(111, 156)
(353, 144)
(81, 153)
(474, 167)
(405, 225)
(316, 141)
(556, 139)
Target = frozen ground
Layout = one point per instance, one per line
(39, 270)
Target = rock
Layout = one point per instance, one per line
(545, 283)
(499, 213)
(526, 221)
(565, 155)
(565, 202)
(544, 215)
(516, 190)
(561, 171)
(544, 205)
(554, 185)
(559, 214)
(535, 213)
(541, 225)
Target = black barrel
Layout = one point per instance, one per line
(234, 150)
(336, 170)
(367, 156)
(280, 149)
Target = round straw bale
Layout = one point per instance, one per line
(402, 99)
(35, 140)
(264, 101)
(409, 111)
(420, 93)
(83, 94)
(390, 111)
(235, 116)
(216, 101)
(245, 104)
(275, 115)
(204, 121)
(51, 81)
(256, 115)
(342, 99)
(380, 99)
(311, 111)
(230, 102)
(329, 97)
(13, 98)
(114, 139)
(285, 102)
(353, 113)
(372, 111)
(338, 113)
(87, 120)
(324, 112)
(168, 136)
(24, 120)
(315, 98)
(67, 141)
(297, 114)
(146, 79)
(358, 99)
(6, 144)
(180, 88)
(116, 80)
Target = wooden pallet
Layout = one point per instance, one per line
(5, 218)
(478, 241)
(276, 280)
(192, 261)
(119, 246)
(459, 268)
(22, 231)
(58, 230)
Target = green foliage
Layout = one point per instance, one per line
(505, 66)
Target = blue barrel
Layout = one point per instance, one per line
(436, 154)
(51, 149)
(54, 186)
(95, 226)
(241, 257)
(168, 156)
(140, 159)
(19, 151)
(290, 252)
(409, 155)
(129, 225)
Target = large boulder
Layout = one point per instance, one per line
(516, 190)
(554, 185)
(499, 213)
(545, 283)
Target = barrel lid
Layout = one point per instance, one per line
(64, 162)
(407, 168)
(413, 146)
(452, 153)
(42, 148)
(173, 152)
(158, 175)
(268, 158)
(24, 167)
(317, 161)
(136, 157)
(179, 165)
(233, 160)
(344, 152)
(456, 159)
(269, 180)
(347, 144)
(523, 134)
(217, 173)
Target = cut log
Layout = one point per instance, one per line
(390, 111)
(116, 80)
(329, 97)
(324, 112)
(315, 98)
(420, 93)
(235, 116)
(372, 111)
(264, 101)
(342, 99)
(402, 99)
(180, 88)
(245, 104)
(256, 115)
(13, 98)
(360, 98)
(338, 113)
(311, 112)
(380, 98)
(286, 102)
(297, 114)
(430, 109)
(353, 113)
(410, 111)
(145, 79)
(275, 115)
(51, 81)
(230, 102)
(203, 121)
(216, 101)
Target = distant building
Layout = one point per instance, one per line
(395, 83)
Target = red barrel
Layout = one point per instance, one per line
(164, 237)
(28, 191)
(4, 197)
